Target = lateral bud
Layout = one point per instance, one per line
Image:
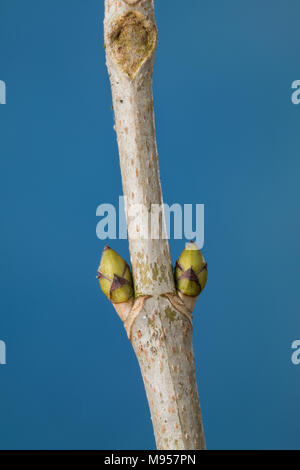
(115, 277)
(191, 271)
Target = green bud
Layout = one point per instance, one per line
(191, 271)
(115, 277)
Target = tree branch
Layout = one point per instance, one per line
(157, 318)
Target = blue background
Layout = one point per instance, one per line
(228, 137)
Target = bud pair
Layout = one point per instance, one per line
(116, 281)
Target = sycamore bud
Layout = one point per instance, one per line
(191, 271)
(115, 277)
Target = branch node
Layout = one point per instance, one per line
(178, 304)
(134, 313)
(132, 41)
